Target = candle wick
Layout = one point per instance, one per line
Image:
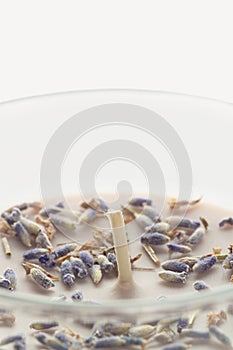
(116, 220)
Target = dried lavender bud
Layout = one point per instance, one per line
(223, 338)
(160, 227)
(143, 221)
(228, 262)
(10, 275)
(139, 202)
(22, 234)
(142, 331)
(178, 248)
(86, 257)
(39, 326)
(102, 205)
(108, 342)
(20, 345)
(78, 267)
(164, 337)
(154, 239)
(200, 285)
(131, 341)
(191, 333)
(77, 296)
(42, 240)
(34, 253)
(88, 215)
(171, 276)
(50, 342)
(63, 338)
(67, 275)
(63, 222)
(16, 214)
(12, 338)
(104, 263)
(175, 265)
(177, 221)
(64, 250)
(197, 236)
(5, 283)
(41, 278)
(8, 218)
(226, 222)
(47, 260)
(31, 226)
(182, 324)
(115, 328)
(95, 273)
(204, 264)
(150, 212)
(112, 258)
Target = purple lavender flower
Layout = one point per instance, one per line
(86, 257)
(200, 285)
(205, 263)
(78, 267)
(226, 222)
(66, 273)
(178, 248)
(175, 265)
(139, 202)
(228, 262)
(154, 239)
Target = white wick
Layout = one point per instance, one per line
(121, 246)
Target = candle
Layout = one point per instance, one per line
(190, 257)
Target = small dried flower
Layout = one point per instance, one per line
(41, 278)
(78, 267)
(151, 212)
(5, 283)
(160, 227)
(200, 285)
(77, 295)
(12, 338)
(228, 262)
(86, 257)
(139, 202)
(226, 222)
(112, 258)
(39, 326)
(154, 239)
(34, 253)
(191, 333)
(197, 236)
(22, 234)
(67, 275)
(10, 275)
(214, 318)
(205, 263)
(95, 273)
(87, 216)
(175, 265)
(171, 276)
(178, 248)
(143, 331)
(104, 263)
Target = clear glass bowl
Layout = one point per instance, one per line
(191, 139)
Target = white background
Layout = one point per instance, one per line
(50, 45)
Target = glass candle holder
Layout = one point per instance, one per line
(119, 144)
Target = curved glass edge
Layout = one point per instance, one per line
(166, 305)
(112, 90)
